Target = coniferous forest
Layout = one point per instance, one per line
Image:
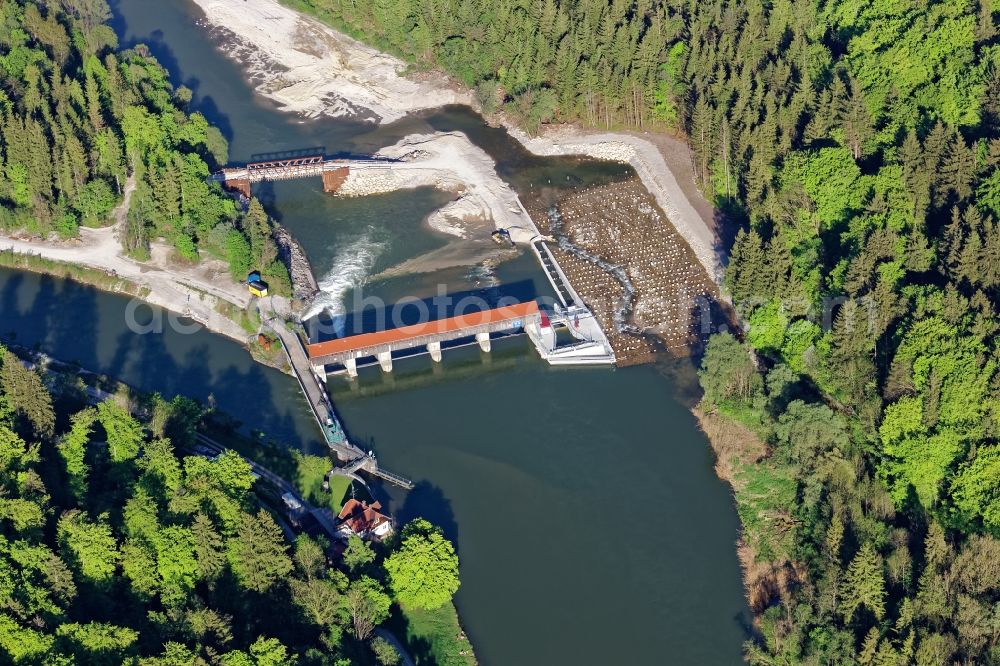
(118, 546)
(855, 145)
(84, 125)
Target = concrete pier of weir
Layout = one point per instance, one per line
(429, 336)
(590, 345)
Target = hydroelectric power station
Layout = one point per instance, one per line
(311, 359)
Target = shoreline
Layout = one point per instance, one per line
(446, 160)
(650, 166)
(311, 70)
(96, 257)
(298, 61)
(103, 387)
(450, 162)
(190, 300)
(733, 445)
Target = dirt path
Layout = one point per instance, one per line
(388, 636)
(186, 294)
(195, 291)
(120, 213)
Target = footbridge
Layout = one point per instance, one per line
(560, 283)
(322, 409)
(334, 172)
(480, 325)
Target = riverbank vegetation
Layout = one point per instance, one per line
(433, 636)
(117, 548)
(858, 146)
(80, 120)
(92, 276)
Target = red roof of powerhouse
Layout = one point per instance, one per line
(437, 327)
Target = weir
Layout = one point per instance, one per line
(430, 335)
(591, 345)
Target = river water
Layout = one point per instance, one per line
(589, 522)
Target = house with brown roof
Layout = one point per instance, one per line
(364, 520)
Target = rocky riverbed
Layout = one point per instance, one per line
(304, 286)
(633, 269)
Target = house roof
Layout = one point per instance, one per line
(361, 517)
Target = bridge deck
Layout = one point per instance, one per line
(322, 409)
(302, 167)
(405, 337)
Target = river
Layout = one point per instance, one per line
(590, 525)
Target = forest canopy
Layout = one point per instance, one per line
(86, 128)
(120, 546)
(855, 145)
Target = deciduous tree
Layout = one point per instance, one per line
(423, 572)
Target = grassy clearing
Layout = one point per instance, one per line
(305, 472)
(311, 473)
(433, 638)
(339, 485)
(247, 318)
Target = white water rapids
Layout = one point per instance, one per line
(352, 264)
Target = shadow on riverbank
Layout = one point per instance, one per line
(141, 347)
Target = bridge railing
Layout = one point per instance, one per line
(303, 167)
(287, 163)
(394, 478)
(334, 434)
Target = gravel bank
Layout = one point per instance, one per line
(651, 166)
(311, 69)
(451, 162)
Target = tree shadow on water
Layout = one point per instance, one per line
(268, 401)
(10, 314)
(429, 502)
(157, 46)
(59, 320)
(77, 324)
(744, 620)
